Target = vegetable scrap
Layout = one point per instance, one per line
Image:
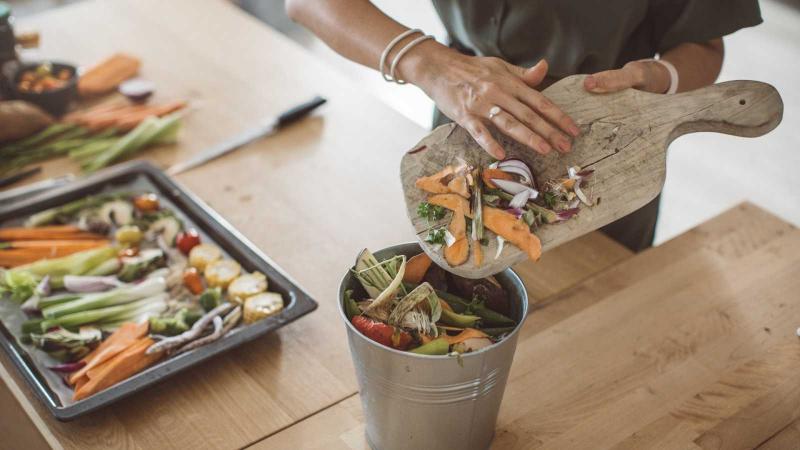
(503, 198)
(96, 141)
(43, 78)
(113, 283)
(414, 305)
(108, 74)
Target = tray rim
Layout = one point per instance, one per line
(299, 304)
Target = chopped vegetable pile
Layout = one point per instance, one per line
(113, 283)
(503, 198)
(97, 137)
(416, 306)
(43, 78)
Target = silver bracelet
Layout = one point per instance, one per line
(389, 48)
(402, 53)
(674, 79)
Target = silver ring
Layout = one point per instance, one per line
(494, 111)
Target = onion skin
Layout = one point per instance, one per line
(68, 367)
(514, 188)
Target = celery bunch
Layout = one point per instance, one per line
(20, 282)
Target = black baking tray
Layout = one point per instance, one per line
(194, 213)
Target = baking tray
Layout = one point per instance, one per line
(141, 175)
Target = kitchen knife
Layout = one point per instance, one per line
(19, 176)
(223, 148)
(34, 188)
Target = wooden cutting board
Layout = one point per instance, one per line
(624, 138)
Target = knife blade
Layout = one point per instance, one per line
(223, 148)
(34, 188)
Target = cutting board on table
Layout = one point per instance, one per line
(624, 138)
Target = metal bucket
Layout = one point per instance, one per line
(432, 402)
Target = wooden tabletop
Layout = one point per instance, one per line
(690, 345)
(681, 344)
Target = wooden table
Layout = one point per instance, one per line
(680, 345)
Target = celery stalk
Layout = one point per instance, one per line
(124, 294)
(152, 305)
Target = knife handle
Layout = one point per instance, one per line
(299, 111)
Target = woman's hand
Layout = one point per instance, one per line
(647, 76)
(466, 88)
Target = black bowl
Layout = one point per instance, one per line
(55, 101)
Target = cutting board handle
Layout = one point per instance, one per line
(740, 108)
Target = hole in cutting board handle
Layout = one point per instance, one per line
(742, 102)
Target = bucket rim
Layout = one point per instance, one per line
(508, 272)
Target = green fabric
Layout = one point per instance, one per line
(582, 36)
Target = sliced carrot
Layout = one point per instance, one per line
(66, 232)
(103, 108)
(80, 382)
(131, 121)
(513, 230)
(14, 257)
(107, 75)
(468, 333)
(434, 183)
(111, 116)
(416, 268)
(489, 174)
(458, 185)
(121, 339)
(50, 243)
(445, 305)
(452, 202)
(477, 253)
(122, 366)
(458, 253)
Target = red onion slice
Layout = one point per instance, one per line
(514, 188)
(520, 199)
(517, 166)
(68, 367)
(586, 200)
(567, 214)
(449, 239)
(500, 244)
(515, 211)
(81, 284)
(525, 176)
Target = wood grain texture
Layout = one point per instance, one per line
(307, 228)
(239, 72)
(17, 431)
(624, 137)
(689, 345)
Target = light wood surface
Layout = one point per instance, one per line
(295, 195)
(624, 138)
(688, 345)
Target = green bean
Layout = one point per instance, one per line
(438, 346)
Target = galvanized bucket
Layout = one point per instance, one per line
(432, 402)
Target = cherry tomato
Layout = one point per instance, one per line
(382, 333)
(187, 240)
(193, 281)
(146, 202)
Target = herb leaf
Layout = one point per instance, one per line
(430, 212)
(436, 236)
